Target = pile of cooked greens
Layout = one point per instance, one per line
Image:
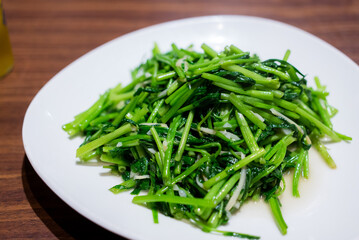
(203, 132)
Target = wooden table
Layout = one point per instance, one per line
(47, 35)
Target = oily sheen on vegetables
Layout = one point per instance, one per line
(200, 133)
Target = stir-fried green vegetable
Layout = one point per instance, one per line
(203, 132)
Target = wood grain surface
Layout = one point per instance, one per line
(47, 35)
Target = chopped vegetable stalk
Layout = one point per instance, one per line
(298, 171)
(275, 207)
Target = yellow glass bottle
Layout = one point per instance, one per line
(6, 57)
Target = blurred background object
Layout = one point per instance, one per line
(6, 58)
(47, 35)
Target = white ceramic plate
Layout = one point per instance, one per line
(328, 207)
